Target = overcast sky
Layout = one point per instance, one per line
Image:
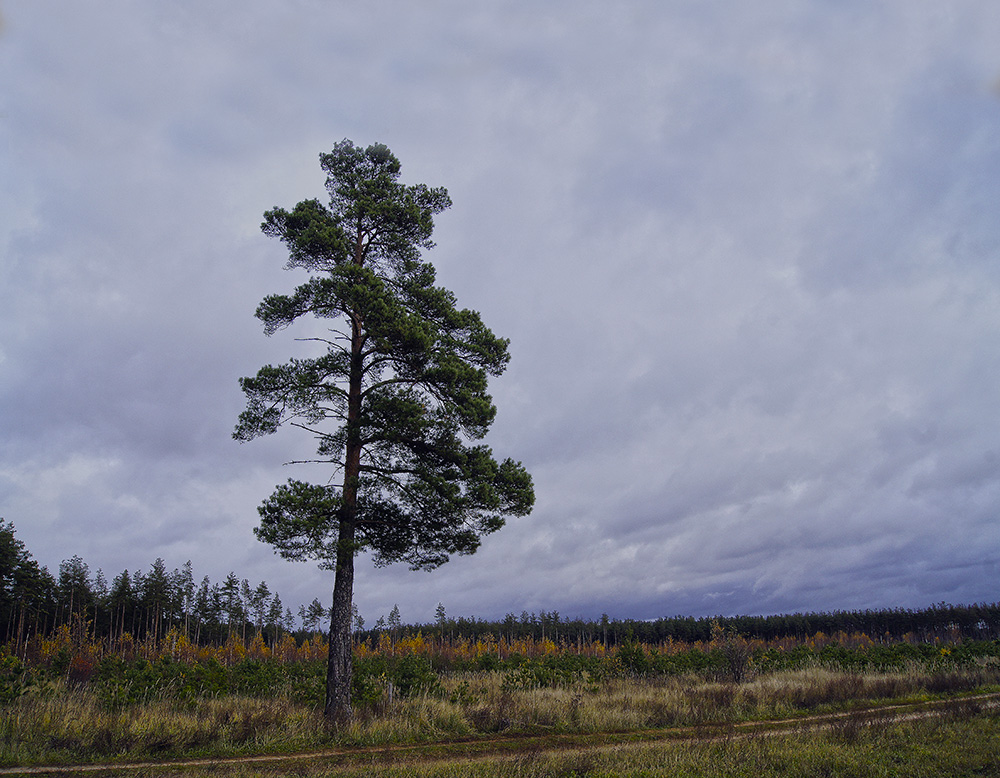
(747, 255)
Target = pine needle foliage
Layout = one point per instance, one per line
(394, 400)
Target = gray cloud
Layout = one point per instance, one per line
(745, 258)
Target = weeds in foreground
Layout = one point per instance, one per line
(74, 726)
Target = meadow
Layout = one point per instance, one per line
(68, 699)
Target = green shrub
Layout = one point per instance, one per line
(412, 674)
(487, 663)
(307, 682)
(409, 675)
(15, 678)
(257, 678)
(544, 673)
(119, 683)
(59, 663)
(203, 679)
(692, 661)
(633, 658)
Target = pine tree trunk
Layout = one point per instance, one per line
(340, 664)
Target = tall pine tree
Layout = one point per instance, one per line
(393, 400)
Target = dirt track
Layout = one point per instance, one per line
(482, 748)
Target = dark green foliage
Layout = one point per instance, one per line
(557, 670)
(18, 679)
(487, 663)
(119, 682)
(538, 675)
(60, 661)
(367, 687)
(633, 659)
(411, 674)
(393, 399)
(691, 661)
(306, 682)
(122, 683)
(28, 592)
(880, 657)
(257, 678)
(405, 382)
(408, 674)
(12, 678)
(423, 368)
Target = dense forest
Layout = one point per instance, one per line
(148, 604)
(143, 604)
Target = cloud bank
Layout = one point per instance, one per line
(746, 258)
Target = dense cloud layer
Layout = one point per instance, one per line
(746, 257)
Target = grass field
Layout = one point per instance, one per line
(496, 723)
(961, 744)
(959, 740)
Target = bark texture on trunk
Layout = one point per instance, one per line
(339, 669)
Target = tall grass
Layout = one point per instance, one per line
(63, 724)
(73, 725)
(958, 745)
(630, 703)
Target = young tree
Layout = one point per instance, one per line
(395, 623)
(182, 583)
(393, 399)
(121, 600)
(206, 614)
(313, 615)
(156, 597)
(258, 602)
(138, 587)
(100, 590)
(246, 596)
(275, 618)
(232, 601)
(75, 594)
(441, 620)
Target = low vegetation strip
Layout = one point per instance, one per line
(126, 672)
(69, 700)
(492, 747)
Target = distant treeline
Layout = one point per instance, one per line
(937, 622)
(149, 604)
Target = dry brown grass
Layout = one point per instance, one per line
(70, 725)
